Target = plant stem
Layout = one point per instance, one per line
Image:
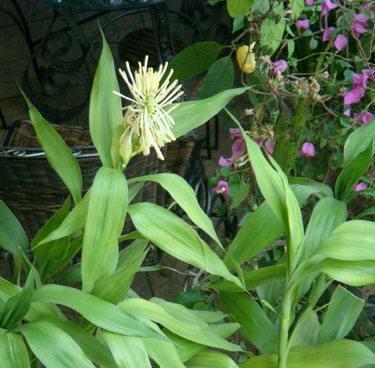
(284, 329)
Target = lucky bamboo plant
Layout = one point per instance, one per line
(75, 262)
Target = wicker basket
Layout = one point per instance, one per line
(33, 191)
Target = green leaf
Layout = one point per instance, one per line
(352, 172)
(297, 7)
(211, 359)
(272, 34)
(255, 325)
(192, 114)
(97, 311)
(105, 221)
(254, 279)
(105, 113)
(163, 353)
(91, 346)
(173, 235)
(303, 188)
(291, 48)
(358, 141)
(195, 59)
(353, 273)
(73, 222)
(54, 347)
(129, 352)
(58, 154)
(12, 235)
(220, 77)
(342, 313)
(326, 216)
(238, 7)
(306, 330)
(351, 241)
(335, 354)
(177, 319)
(115, 286)
(185, 197)
(13, 351)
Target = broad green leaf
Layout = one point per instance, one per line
(173, 235)
(95, 350)
(238, 7)
(128, 352)
(353, 273)
(342, 313)
(261, 228)
(310, 187)
(58, 154)
(105, 221)
(105, 113)
(335, 354)
(73, 222)
(54, 347)
(99, 312)
(13, 351)
(185, 197)
(12, 235)
(326, 216)
(255, 325)
(368, 212)
(114, 287)
(297, 7)
(195, 59)
(272, 34)
(192, 114)
(358, 141)
(211, 359)
(187, 349)
(177, 319)
(47, 252)
(163, 353)
(351, 241)
(352, 172)
(220, 77)
(306, 330)
(254, 278)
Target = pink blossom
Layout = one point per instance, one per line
(235, 133)
(347, 112)
(340, 42)
(279, 66)
(223, 162)
(327, 5)
(327, 34)
(363, 118)
(222, 187)
(238, 149)
(269, 146)
(359, 25)
(360, 186)
(303, 24)
(309, 2)
(359, 88)
(307, 150)
(369, 73)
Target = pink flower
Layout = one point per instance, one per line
(360, 186)
(369, 73)
(269, 146)
(359, 25)
(363, 118)
(340, 42)
(359, 88)
(238, 149)
(235, 133)
(223, 162)
(347, 112)
(222, 187)
(309, 2)
(279, 67)
(327, 5)
(327, 34)
(307, 150)
(303, 24)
